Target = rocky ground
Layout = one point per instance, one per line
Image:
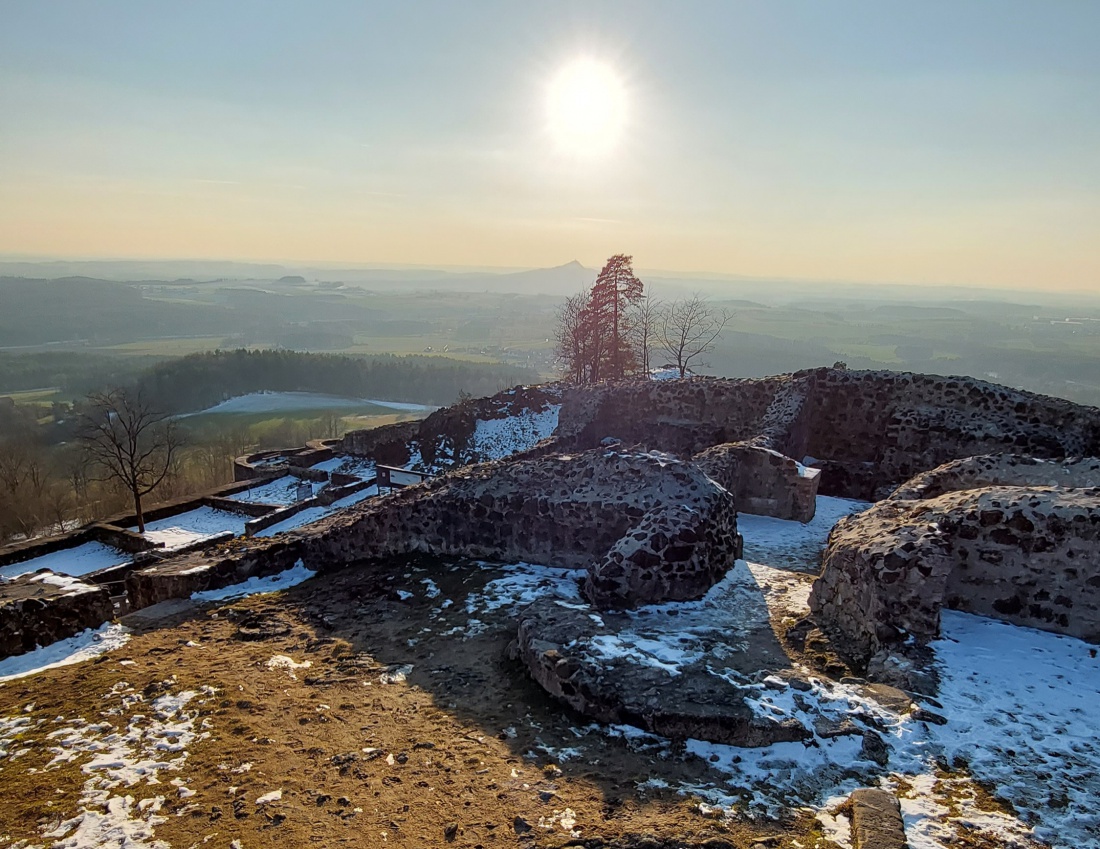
(338, 712)
(379, 706)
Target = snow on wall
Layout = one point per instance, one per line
(75, 561)
(496, 439)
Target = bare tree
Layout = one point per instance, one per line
(644, 328)
(574, 338)
(24, 480)
(130, 442)
(688, 330)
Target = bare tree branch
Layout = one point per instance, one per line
(130, 441)
(688, 330)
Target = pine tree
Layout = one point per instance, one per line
(614, 294)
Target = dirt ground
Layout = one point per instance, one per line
(409, 727)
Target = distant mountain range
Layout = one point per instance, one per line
(557, 281)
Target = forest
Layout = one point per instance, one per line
(47, 482)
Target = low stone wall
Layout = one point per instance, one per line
(388, 444)
(261, 465)
(41, 608)
(1026, 555)
(999, 470)
(680, 416)
(270, 516)
(762, 481)
(572, 510)
(245, 508)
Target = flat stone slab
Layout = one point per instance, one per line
(694, 670)
(876, 820)
(155, 615)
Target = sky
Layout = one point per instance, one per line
(953, 143)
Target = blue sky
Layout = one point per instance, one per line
(934, 142)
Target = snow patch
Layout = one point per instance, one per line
(75, 561)
(83, 646)
(193, 526)
(255, 586)
(495, 439)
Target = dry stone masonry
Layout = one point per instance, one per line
(41, 608)
(648, 528)
(992, 528)
(987, 535)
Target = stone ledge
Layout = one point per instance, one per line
(876, 820)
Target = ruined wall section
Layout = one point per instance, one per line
(1026, 555)
(571, 510)
(762, 481)
(41, 608)
(999, 470)
(875, 429)
(387, 445)
(683, 417)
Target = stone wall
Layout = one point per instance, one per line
(572, 510)
(868, 430)
(876, 429)
(999, 470)
(41, 608)
(680, 416)
(445, 435)
(762, 481)
(388, 445)
(1024, 554)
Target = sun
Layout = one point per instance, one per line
(586, 108)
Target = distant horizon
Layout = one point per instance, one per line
(931, 144)
(294, 265)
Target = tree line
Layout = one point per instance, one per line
(110, 450)
(202, 380)
(614, 330)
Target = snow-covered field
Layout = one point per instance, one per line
(273, 402)
(194, 526)
(78, 560)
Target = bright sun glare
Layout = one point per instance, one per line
(587, 108)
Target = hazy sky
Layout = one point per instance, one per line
(945, 142)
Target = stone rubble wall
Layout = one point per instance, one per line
(447, 432)
(35, 612)
(787, 423)
(387, 445)
(569, 510)
(452, 428)
(871, 430)
(876, 429)
(762, 481)
(1026, 555)
(999, 470)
